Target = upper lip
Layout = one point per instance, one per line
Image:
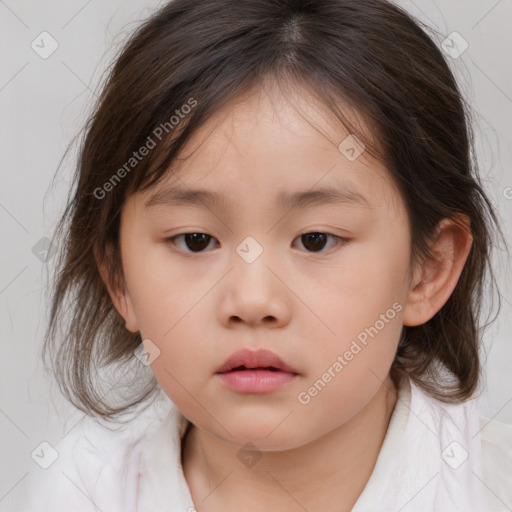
(255, 359)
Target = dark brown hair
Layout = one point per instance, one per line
(369, 54)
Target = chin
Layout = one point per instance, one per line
(260, 435)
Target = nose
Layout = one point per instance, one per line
(255, 294)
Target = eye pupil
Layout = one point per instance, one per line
(194, 239)
(315, 241)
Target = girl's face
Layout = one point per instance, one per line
(329, 305)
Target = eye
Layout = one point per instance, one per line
(196, 242)
(316, 241)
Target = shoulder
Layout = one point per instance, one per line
(96, 466)
(497, 462)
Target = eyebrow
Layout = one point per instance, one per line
(177, 196)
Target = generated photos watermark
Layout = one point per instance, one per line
(361, 341)
(145, 149)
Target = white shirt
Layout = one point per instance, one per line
(435, 457)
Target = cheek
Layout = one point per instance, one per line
(167, 303)
(362, 305)
(352, 364)
(162, 291)
(369, 279)
(186, 355)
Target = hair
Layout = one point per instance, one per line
(369, 54)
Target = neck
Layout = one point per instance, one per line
(327, 474)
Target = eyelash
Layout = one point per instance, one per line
(339, 241)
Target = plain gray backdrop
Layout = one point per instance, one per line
(44, 100)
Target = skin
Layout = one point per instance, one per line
(308, 307)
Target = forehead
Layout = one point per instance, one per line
(286, 149)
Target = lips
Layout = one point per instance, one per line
(246, 359)
(255, 372)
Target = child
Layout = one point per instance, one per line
(318, 349)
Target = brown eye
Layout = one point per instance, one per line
(316, 241)
(199, 242)
(194, 242)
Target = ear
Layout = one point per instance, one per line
(436, 277)
(117, 290)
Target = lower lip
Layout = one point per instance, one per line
(256, 381)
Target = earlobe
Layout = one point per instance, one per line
(124, 307)
(119, 295)
(436, 277)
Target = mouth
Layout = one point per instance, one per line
(255, 372)
(259, 360)
(261, 368)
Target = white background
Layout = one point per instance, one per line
(43, 105)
